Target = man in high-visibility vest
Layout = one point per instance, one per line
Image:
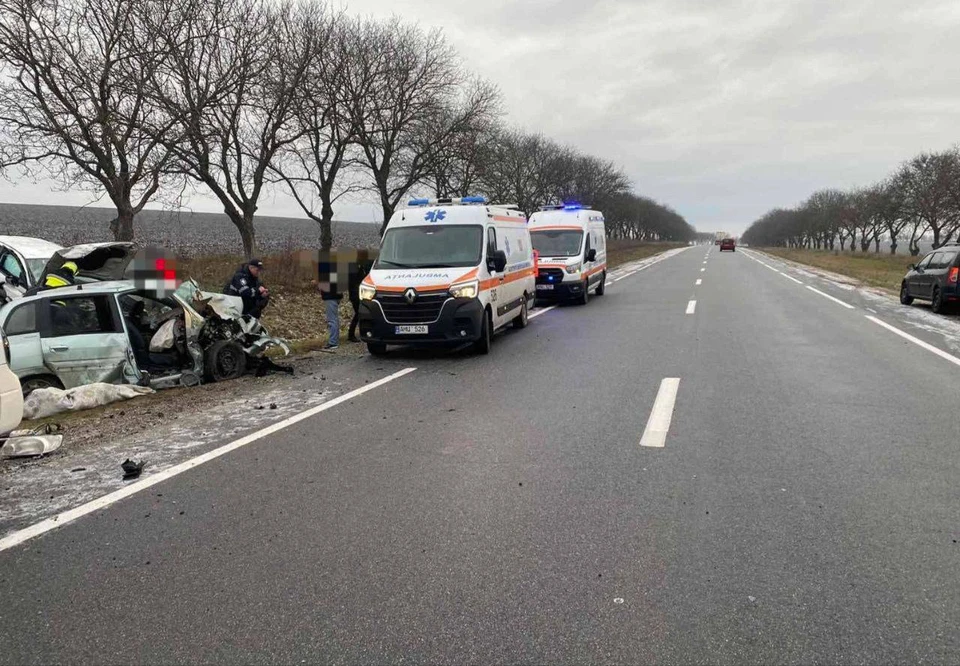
(61, 277)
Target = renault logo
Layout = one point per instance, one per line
(410, 295)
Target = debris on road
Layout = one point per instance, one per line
(45, 402)
(131, 469)
(26, 446)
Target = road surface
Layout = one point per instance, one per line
(718, 461)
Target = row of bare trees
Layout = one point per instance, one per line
(150, 100)
(920, 200)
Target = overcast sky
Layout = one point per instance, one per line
(719, 109)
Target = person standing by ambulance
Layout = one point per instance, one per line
(330, 295)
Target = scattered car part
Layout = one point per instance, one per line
(27, 446)
(49, 401)
(131, 469)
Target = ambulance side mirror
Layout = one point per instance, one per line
(497, 260)
(592, 255)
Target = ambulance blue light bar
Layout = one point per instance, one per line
(447, 202)
(572, 205)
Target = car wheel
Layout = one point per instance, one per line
(522, 319)
(482, 346)
(602, 287)
(905, 297)
(224, 360)
(377, 348)
(31, 384)
(936, 303)
(585, 297)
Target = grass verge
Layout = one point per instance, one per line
(876, 270)
(622, 251)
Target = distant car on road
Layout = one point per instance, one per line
(22, 260)
(716, 242)
(728, 244)
(934, 278)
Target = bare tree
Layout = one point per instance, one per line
(312, 165)
(926, 183)
(406, 113)
(231, 77)
(73, 100)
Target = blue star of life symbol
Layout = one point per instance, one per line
(435, 215)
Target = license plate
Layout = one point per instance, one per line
(412, 330)
(544, 286)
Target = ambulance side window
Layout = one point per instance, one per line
(491, 240)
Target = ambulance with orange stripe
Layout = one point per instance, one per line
(571, 244)
(449, 272)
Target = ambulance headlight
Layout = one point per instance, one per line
(573, 268)
(367, 292)
(465, 289)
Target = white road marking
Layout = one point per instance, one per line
(658, 425)
(790, 277)
(73, 514)
(835, 300)
(702, 270)
(699, 282)
(540, 312)
(608, 283)
(691, 306)
(871, 310)
(917, 341)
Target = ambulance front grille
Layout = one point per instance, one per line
(424, 310)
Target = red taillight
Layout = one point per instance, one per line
(953, 275)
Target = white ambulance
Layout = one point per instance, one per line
(571, 244)
(450, 271)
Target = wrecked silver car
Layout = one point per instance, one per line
(116, 332)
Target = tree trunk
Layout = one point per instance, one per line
(876, 245)
(244, 224)
(326, 226)
(843, 244)
(893, 247)
(387, 214)
(122, 225)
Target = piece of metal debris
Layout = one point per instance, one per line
(30, 445)
(131, 469)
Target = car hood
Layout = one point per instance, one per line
(98, 262)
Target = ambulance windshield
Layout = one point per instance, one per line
(448, 246)
(556, 242)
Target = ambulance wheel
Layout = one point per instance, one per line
(377, 348)
(585, 297)
(522, 319)
(602, 287)
(482, 346)
(225, 359)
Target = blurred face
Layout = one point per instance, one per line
(254, 271)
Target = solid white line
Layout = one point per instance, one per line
(917, 341)
(699, 282)
(691, 306)
(71, 515)
(658, 425)
(540, 312)
(608, 283)
(835, 300)
(790, 277)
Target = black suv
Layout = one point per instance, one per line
(934, 278)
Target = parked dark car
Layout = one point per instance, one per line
(728, 244)
(934, 278)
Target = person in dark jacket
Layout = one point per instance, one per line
(246, 284)
(359, 271)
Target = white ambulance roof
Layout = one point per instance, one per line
(443, 211)
(564, 217)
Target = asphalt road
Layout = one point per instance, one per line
(500, 509)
